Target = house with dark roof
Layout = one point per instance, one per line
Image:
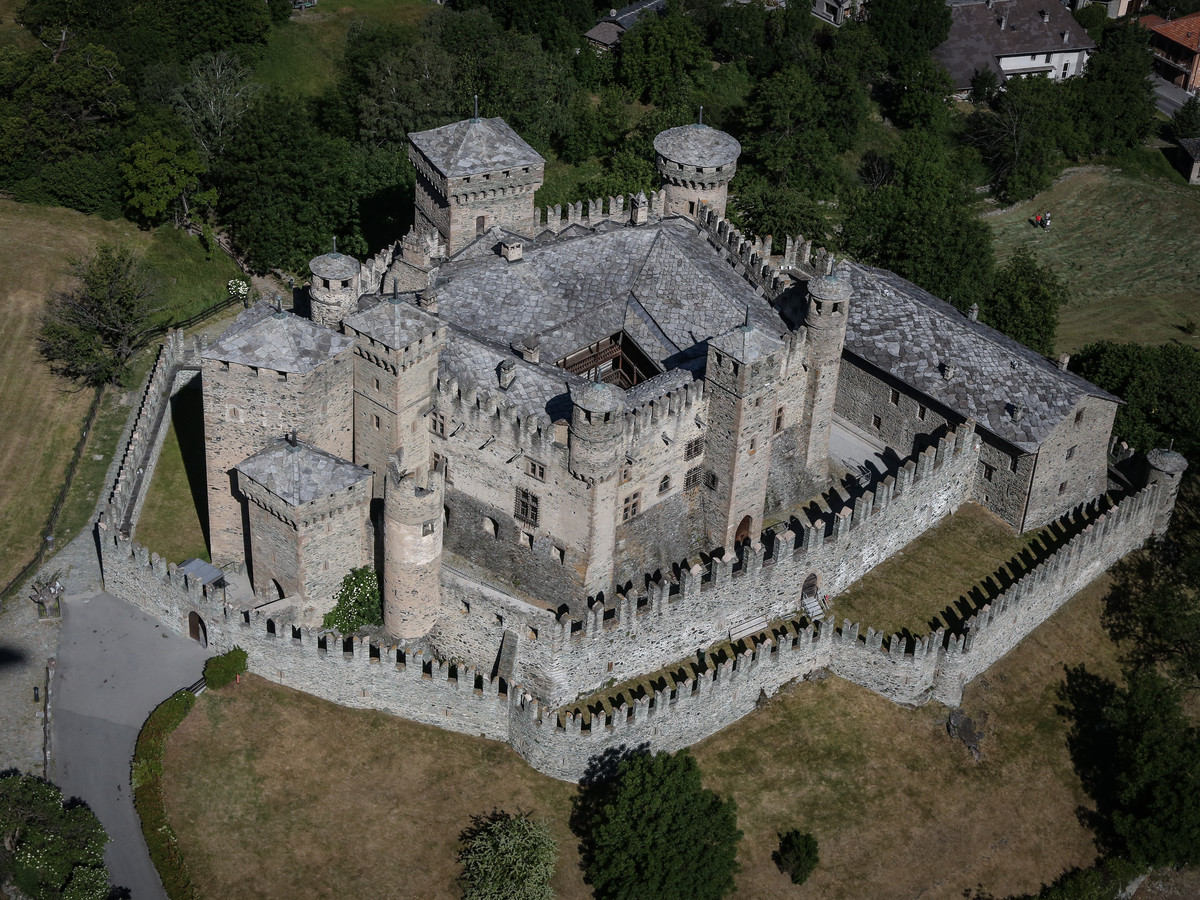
(1176, 47)
(606, 34)
(1013, 38)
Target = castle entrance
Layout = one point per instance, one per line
(743, 530)
(196, 630)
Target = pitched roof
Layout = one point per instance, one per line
(1011, 391)
(1185, 30)
(266, 339)
(977, 41)
(395, 322)
(300, 473)
(475, 146)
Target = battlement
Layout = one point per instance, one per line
(374, 269)
(651, 411)
(485, 409)
(592, 213)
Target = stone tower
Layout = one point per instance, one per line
(696, 163)
(335, 289)
(825, 335)
(1166, 469)
(741, 373)
(471, 176)
(413, 503)
(596, 450)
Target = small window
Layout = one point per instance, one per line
(377, 421)
(536, 469)
(632, 504)
(988, 472)
(694, 448)
(526, 507)
(779, 420)
(894, 397)
(437, 424)
(753, 446)
(665, 484)
(757, 402)
(711, 480)
(691, 479)
(1078, 417)
(428, 528)
(1062, 488)
(877, 422)
(376, 384)
(626, 473)
(346, 284)
(1070, 452)
(489, 525)
(1013, 462)
(921, 413)
(480, 225)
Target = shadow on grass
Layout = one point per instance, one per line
(187, 415)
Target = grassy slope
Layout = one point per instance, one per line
(277, 794)
(1127, 249)
(174, 519)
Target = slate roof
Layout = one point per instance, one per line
(263, 338)
(395, 322)
(976, 40)
(1010, 390)
(335, 266)
(746, 343)
(697, 145)
(1191, 146)
(300, 473)
(607, 34)
(535, 389)
(475, 146)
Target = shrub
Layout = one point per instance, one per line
(507, 857)
(146, 779)
(358, 602)
(797, 855)
(220, 670)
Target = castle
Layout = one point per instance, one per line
(584, 447)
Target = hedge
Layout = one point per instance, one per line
(221, 670)
(146, 778)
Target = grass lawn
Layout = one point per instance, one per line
(174, 520)
(1126, 247)
(301, 56)
(277, 794)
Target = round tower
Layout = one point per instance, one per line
(335, 289)
(696, 164)
(1166, 469)
(412, 552)
(825, 333)
(596, 447)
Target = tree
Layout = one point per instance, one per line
(661, 57)
(162, 177)
(787, 139)
(50, 847)
(217, 93)
(1022, 135)
(1138, 757)
(411, 90)
(984, 85)
(1186, 121)
(1115, 97)
(358, 602)
(91, 332)
(507, 857)
(1025, 300)
(658, 834)
(797, 855)
(909, 28)
(921, 89)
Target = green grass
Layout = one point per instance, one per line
(174, 519)
(1126, 246)
(192, 280)
(12, 34)
(302, 55)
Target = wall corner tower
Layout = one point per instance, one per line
(696, 164)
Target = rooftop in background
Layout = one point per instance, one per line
(1031, 28)
(300, 473)
(1185, 30)
(475, 146)
(925, 342)
(268, 339)
(606, 34)
(697, 145)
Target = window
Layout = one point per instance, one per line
(536, 469)
(711, 481)
(757, 402)
(489, 525)
(921, 413)
(1062, 488)
(877, 422)
(442, 463)
(1013, 462)
(753, 446)
(1066, 69)
(376, 384)
(694, 448)
(428, 528)
(665, 484)
(988, 472)
(626, 473)
(632, 503)
(1071, 452)
(894, 397)
(437, 424)
(779, 420)
(1047, 57)
(480, 225)
(377, 421)
(526, 508)
(691, 479)
(1078, 417)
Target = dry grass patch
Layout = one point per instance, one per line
(911, 590)
(1126, 247)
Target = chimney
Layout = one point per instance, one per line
(947, 371)
(512, 250)
(1004, 21)
(528, 348)
(427, 300)
(1045, 17)
(991, 4)
(1017, 412)
(507, 370)
(641, 212)
(973, 315)
(1063, 361)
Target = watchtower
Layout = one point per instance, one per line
(696, 164)
(825, 335)
(474, 175)
(335, 289)
(413, 505)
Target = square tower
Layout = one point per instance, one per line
(471, 176)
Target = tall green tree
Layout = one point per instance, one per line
(660, 835)
(1022, 135)
(662, 57)
(91, 332)
(507, 857)
(1025, 300)
(909, 28)
(1115, 97)
(786, 135)
(163, 180)
(1186, 121)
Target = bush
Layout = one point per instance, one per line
(507, 857)
(146, 779)
(220, 670)
(358, 602)
(797, 855)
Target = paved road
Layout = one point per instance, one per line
(1167, 97)
(115, 664)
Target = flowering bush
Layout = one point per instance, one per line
(358, 602)
(238, 289)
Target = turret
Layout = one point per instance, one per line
(696, 164)
(335, 289)
(1166, 470)
(825, 334)
(597, 424)
(412, 550)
